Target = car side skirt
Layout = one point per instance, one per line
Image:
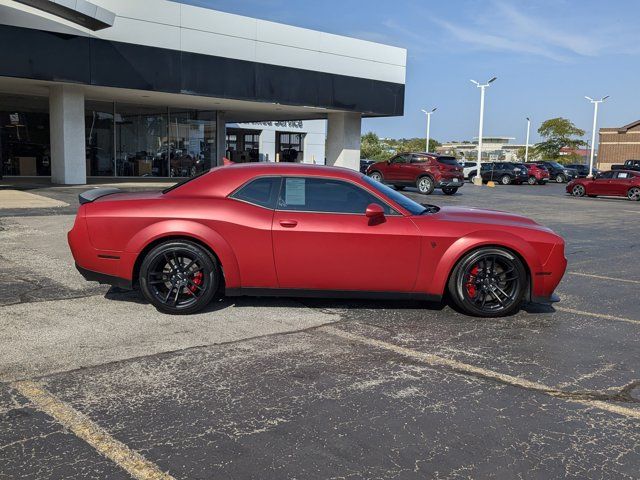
(102, 278)
(305, 293)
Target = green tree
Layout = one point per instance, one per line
(558, 133)
(371, 147)
(533, 153)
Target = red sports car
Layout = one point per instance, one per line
(302, 230)
(616, 183)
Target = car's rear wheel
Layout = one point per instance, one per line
(488, 282)
(532, 181)
(399, 187)
(425, 185)
(179, 277)
(578, 191)
(377, 176)
(505, 180)
(560, 178)
(471, 175)
(634, 194)
(449, 190)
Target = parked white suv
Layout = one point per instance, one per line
(469, 169)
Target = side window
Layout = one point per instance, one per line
(261, 191)
(304, 194)
(400, 159)
(623, 175)
(606, 175)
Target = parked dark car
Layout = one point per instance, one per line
(364, 164)
(504, 173)
(628, 165)
(583, 170)
(559, 173)
(426, 171)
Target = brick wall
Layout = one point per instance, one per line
(618, 145)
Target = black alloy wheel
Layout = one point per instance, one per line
(179, 277)
(488, 282)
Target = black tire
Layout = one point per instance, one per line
(179, 277)
(425, 185)
(449, 190)
(377, 176)
(506, 180)
(532, 181)
(488, 282)
(578, 190)
(471, 175)
(399, 187)
(560, 178)
(633, 194)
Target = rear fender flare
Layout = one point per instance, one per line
(187, 229)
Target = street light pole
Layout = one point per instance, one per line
(593, 132)
(477, 180)
(428, 114)
(526, 148)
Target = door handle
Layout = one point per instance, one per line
(288, 223)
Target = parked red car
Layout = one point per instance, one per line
(426, 171)
(616, 183)
(302, 230)
(537, 173)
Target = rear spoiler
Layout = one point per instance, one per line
(91, 195)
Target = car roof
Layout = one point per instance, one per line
(221, 181)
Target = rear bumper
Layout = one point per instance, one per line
(104, 279)
(450, 182)
(553, 298)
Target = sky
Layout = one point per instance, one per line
(547, 55)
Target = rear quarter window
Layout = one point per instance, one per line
(260, 191)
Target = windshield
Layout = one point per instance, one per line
(555, 165)
(408, 204)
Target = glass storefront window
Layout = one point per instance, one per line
(192, 139)
(99, 127)
(243, 146)
(141, 141)
(24, 135)
(290, 146)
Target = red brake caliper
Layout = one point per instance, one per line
(471, 285)
(197, 280)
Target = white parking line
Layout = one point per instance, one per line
(467, 369)
(84, 428)
(597, 315)
(602, 277)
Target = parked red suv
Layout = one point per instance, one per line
(537, 173)
(427, 171)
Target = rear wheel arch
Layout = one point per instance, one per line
(205, 237)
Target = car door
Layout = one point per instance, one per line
(620, 183)
(601, 184)
(394, 171)
(322, 239)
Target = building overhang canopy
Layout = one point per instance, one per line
(80, 12)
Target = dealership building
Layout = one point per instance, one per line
(156, 88)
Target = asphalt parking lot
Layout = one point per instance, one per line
(94, 383)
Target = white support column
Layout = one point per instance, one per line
(343, 140)
(221, 137)
(66, 124)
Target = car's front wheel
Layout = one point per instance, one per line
(634, 194)
(488, 282)
(560, 178)
(449, 190)
(532, 181)
(179, 277)
(425, 185)
(578, 191)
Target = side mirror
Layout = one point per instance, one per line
(374, 212)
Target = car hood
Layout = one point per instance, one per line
(478, 215)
